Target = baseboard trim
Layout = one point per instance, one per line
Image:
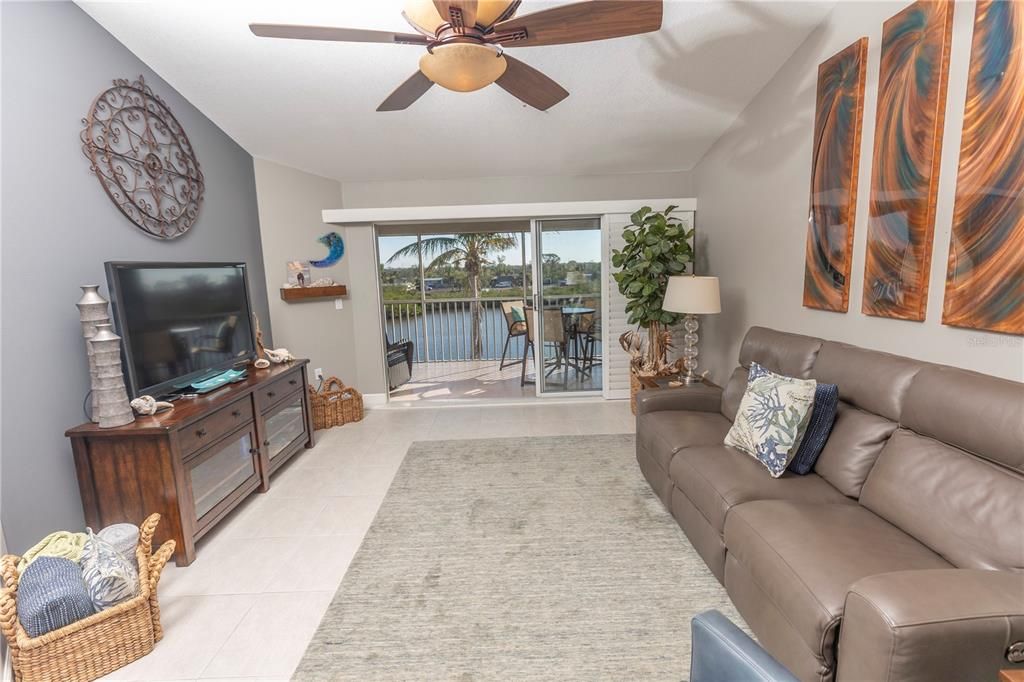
(375, 399)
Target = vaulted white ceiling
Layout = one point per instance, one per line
(647, 103)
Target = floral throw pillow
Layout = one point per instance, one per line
(772, 418)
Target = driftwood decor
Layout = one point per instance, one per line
(985, 276)
(143, 159)
(835, 160)
(905, 172)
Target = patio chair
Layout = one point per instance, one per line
(554, 335)
(516, 327)
(589, 329)
(399, 357)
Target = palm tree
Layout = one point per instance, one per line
(470, 252)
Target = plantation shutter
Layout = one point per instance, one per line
(616, 384)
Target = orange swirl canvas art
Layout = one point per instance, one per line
(985, 274)
(905, 163)
(834, 164)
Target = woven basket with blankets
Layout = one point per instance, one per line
(80, 605)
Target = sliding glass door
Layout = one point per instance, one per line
(565, 321)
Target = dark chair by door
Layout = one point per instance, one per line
(399, 357)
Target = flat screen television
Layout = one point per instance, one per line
(180, 323)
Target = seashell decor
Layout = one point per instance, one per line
(278, 355)
(147, 404)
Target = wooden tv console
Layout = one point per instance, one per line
(197, 462)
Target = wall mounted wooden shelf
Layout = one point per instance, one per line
(312, 293)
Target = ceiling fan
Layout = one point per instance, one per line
(465, 41)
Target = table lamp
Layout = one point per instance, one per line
(692, 296)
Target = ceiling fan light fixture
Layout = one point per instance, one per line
(463, 67)
(424, 15)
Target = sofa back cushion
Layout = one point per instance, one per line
(783, 353)
(732, 394)
(964, 508)
(953, 475)
(873, 381)
(856, 440)
(981, 414)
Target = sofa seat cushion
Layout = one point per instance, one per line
(804, 557)
(663, 434)
(716, 478)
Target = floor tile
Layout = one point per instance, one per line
(347, 515)
(272, 637)
(230, 566)
(319, 565)
(195, 628)
(266, 516)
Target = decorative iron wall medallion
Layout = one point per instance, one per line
(143, 159)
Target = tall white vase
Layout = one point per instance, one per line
(112, 407)
(93, 309)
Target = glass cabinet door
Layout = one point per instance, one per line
(283, 425)
(221, 470)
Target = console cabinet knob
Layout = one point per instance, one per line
(200, 432)
(236, 413)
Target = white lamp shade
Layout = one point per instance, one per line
(692, 295)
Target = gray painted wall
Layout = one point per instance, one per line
(59, 228)
(753, 191)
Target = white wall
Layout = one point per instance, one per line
(753, 187)
(290, 202)
(515, 189)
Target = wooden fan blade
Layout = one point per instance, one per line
(344, 35)
(406, 93)
(530, 85)
(458, 13)
(580, 22)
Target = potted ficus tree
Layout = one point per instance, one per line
(657, 247)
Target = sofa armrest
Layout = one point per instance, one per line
(700, 398)
(943, 624)
(721, 652)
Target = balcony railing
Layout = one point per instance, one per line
(442, 329)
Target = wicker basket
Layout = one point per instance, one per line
(637, 384)
(335, 404)
(93, 646)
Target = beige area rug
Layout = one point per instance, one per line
(517, 559)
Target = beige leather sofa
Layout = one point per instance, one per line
(900, 556)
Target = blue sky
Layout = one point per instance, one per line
(579, 245)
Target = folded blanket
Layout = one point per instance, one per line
(63, 544)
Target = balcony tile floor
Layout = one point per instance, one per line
(482, 379)
(249, 604)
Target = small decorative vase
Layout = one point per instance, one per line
(92, 310)
(110, 397)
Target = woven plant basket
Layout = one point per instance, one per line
(335, 404)
(637, 384)
(93, 646)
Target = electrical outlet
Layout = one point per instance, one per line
(318, 373)
(339, 304)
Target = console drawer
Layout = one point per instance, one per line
(279, 389)
(208, 429)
